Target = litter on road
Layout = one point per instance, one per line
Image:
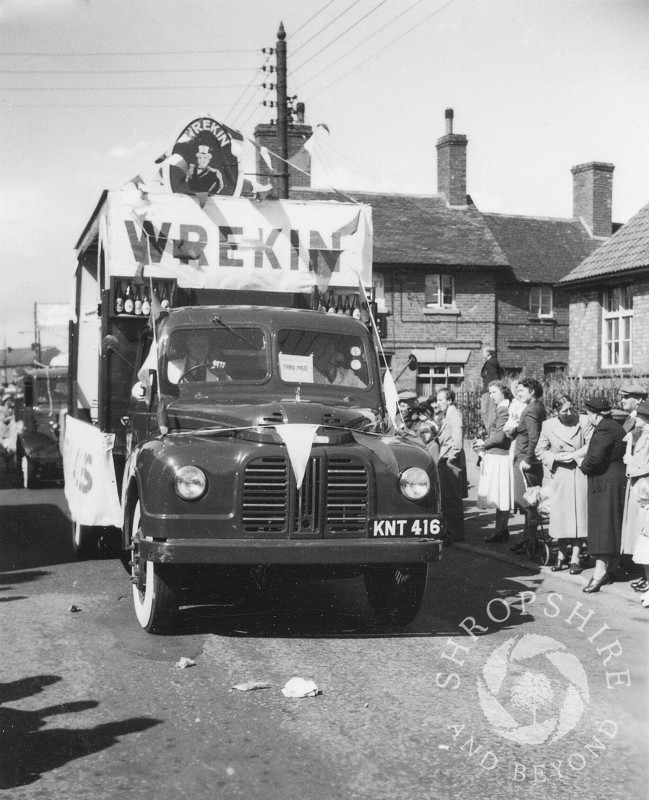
(250, 686)
(299, 687)
(185, 662)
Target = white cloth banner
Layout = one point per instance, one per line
(90, 483)
(235, 243)
(298, 438)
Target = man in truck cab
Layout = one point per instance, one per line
(336, 373)
(199, 362)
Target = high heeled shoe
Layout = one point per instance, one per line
(498, 536)
(596, 585)
(575, 568)
(558, 566)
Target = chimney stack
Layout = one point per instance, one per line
(592, 196)
(451, 164)
(298, 133)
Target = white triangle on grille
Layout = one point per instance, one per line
(298, 438)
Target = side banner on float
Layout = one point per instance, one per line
(90, 483)
(234, 243)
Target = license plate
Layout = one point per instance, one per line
(406, 528)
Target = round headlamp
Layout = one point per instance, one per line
(190, 483)
(414, 483)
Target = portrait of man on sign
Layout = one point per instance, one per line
(206, 160)
(200, 176)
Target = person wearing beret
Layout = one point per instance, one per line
(630, 396)
(604, 466)
(637, 470)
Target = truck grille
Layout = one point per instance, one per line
(272, 504)
(265, 496)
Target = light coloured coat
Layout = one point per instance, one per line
(569, 487)
(637, 466)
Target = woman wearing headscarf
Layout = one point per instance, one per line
(563, 440)
(494, 489)
(604, 466)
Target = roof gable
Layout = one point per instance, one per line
(627, 249)
(538, 249)
(422, 229)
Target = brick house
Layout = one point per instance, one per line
(609, 305)
(452, 278)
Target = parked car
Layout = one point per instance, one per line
(40, 398)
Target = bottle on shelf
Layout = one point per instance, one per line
(331, 304)
(119, 298)
(339, 305)
(356, 307)
(165, 302)
(137, 302)
(128, 300)
(146, 302)
(347, 308)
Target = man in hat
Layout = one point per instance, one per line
(630, 396)
(491, 371)
(201, 177)
(604, 466)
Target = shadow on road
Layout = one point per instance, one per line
(26, 751)
(34, 535)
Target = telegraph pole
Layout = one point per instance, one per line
(282, 113)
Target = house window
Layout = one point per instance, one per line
(541, 301)
(440, 291)
(431, 377)
(617, 323)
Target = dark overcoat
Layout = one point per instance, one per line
(527, 436)
(604, 466)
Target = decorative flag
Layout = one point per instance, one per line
(298, 438)
(391, 397)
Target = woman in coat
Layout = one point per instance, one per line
(604, 466)
(637, 468)
(452, 464)
(495, 489)
(563, 440)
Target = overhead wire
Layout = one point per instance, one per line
(340, 35)
(130, 53)
(361, 43)
(118, 71)
(331, 22)
(385, 47)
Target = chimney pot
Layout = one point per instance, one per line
(448, 114)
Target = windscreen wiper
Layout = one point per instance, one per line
(234, 332)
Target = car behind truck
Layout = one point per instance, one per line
(239, 428)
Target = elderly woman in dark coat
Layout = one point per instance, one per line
(604, 466)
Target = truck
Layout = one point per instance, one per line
(41, 397)
(223, 419)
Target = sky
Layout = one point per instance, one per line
(92, 91)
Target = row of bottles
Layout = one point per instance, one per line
(136, 300)
(332, 304)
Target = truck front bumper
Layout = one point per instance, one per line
(322, 551)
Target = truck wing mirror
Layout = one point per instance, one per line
(411, 365)
(110, 344)
(138, 392)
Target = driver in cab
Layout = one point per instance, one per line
(337, 373)
(199, 364)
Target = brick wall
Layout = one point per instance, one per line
(412, 326)
(586, 332)
(527, 343)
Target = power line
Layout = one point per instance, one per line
(99, 106)
(354, 49)
(340, 35)
(311, 19)
(335, 19)
(133, 53)
(389, 44)
(112, 88)
(118, 71)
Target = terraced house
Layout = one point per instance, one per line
(452, 278)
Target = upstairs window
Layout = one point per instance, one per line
(617, 325)
(440, 291)
(541, 301)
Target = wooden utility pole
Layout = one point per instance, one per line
(282, 113)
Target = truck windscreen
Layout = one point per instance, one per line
(326, 358)
(206, 355)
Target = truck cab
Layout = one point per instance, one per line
(41, 396)
(262, 438)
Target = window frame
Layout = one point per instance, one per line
(617, 317)
(442, 278)
(536, 303)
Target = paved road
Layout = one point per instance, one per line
(92, 707)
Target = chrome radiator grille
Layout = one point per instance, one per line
(333, 499)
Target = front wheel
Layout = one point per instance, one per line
(155, 597)
(395, 593)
